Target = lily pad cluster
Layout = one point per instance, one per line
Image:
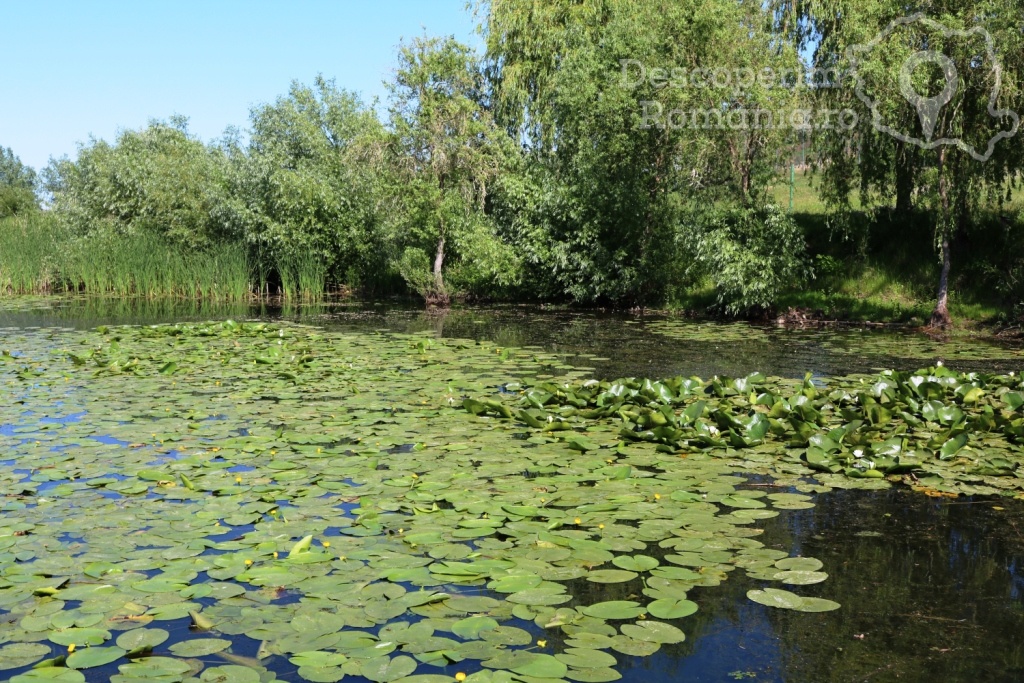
(921, 347)
(327, 496)
(934, 428)
(718, 332)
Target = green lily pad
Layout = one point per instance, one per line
(199, 647)
(611, 576)
(668, 608)
(653, 631)
(635, 563)
(541, 666)
(387, 669)
(17, 655)
(79, 636)
(615, 609)
(141, 639)
(800, 578)
(89, 657)
(49, 674)
(230, 673)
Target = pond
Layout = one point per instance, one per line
(368, 492)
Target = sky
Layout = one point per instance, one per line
(72, 69)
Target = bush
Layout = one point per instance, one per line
(17, 201)
(751, 255)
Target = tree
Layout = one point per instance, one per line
(951, 159)
(159, 180)
(445, 149)
(301, 193)
(17, 185)
(629, 131)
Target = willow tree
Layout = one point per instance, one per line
(300, 193)
(939, 94)
(633, 113)
(445, 150)
(159, 180)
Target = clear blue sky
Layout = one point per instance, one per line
(75, 68)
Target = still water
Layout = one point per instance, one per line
(930, 588)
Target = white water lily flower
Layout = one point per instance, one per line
(857, 453)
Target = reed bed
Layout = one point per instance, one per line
(36, 257)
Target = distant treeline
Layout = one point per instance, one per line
(623, 153)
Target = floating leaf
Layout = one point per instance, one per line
(668, 608)
(653, 631)
(89, 657)
(387, 669)
(610, 576)
(614, 609)
(200, 647)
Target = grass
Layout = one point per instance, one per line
(303, 276)
(889, 270)
(27, 261)
(36, 257)
(805, 194)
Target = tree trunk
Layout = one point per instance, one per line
(940, 316)
(904, 180)
(439, 297)
(439, 264)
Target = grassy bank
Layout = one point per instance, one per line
(887, 270)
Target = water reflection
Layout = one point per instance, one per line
(614, 344)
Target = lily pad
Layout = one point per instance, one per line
(615, 609)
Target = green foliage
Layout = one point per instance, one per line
(598, 203)
(17, 185)
(302, 194)
(159, 181)
(948, 180)
(588, 156)
(444, 150)
(414, 267)
(38, 254)
(28, 254)
(751, 255)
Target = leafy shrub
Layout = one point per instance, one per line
(414, 266)
(751, 255)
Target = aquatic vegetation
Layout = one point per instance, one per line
(863, 342)
(707, 331)
(405, 507)
(38, 256)
(934, 429)
(327, 495)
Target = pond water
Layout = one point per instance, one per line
(929, 587)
